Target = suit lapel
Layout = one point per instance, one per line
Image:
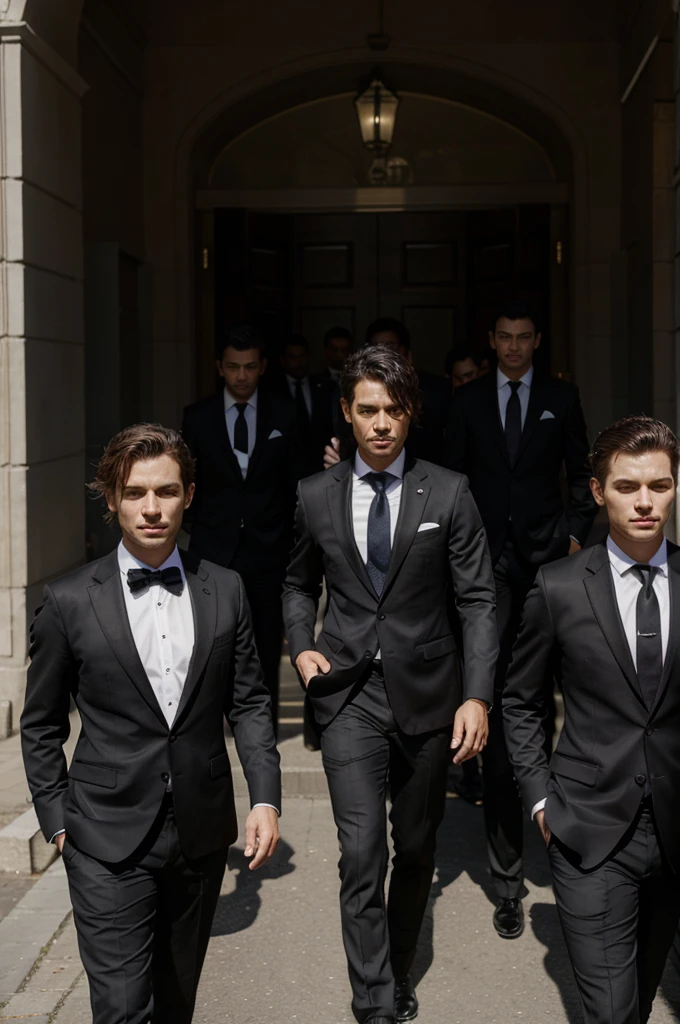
(221, 435)
(262, 432)
(674, 602)
(340, 509)
(600, 589)
(493, 415)
(106, 595)
(535, 409)
(204, 605)
(414, 495)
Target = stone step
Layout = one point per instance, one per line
(23, 847)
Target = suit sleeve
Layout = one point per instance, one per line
(525, 697)
(45, 726)
(302, 587)
(475, 594)
(581, 507)
(249, 713)
(456, 437)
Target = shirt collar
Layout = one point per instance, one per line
(623, 562)
(501, 379)
(396, 468)
(293, 380)
(126, 561)
(230, 401)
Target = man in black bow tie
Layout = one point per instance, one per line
(155, 647)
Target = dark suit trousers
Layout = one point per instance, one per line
(364, 752)
(503, 816)
(264, 590)
(619, 921)
(143, 926)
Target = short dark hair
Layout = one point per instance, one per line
(337, 332)
(242, 337)
(295, 340)
(388, 323)
(517, 309)
(458, 354)
(633, 435)
(140, 441)
(381, 363)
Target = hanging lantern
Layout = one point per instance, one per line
(377, 112)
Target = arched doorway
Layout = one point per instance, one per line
(290, 232)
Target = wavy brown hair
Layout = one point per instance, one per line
(633, 435)
(381, 363)
(141, 441)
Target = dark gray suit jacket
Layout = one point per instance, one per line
(82, 647)
(612, 746)
(438, 602)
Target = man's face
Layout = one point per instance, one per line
(391, 339)
(241, 371)
(380, 425)
(151, 504)
(638, 494)
(295, 361)
(515, 342)
(337, 350)
(462, 371)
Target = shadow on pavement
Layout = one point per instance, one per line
(238, 910)
(547, 929)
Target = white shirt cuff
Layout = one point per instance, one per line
(575, 540)
(268, 805)
(538, 807)
(59, 833)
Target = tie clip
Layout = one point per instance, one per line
(647, 634)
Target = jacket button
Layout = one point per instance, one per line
(173, 739)
(640, 779)
(649, 730)
(368, 654)
(381, 617)
(165, 776)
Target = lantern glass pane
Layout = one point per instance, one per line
(377, 111)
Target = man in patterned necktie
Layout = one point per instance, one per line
(410, 589)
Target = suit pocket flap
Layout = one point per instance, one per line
(219, 766)
(569, 768)
(437, 648)
(95, 774)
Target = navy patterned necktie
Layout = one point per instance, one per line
(170, 578)
(379, 536)
(513, 422)
(648, 627)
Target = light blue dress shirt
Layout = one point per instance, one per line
(231, 415)
(504, 392)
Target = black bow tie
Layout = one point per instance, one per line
(170, 578)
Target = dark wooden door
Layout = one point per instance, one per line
(335, 275)
(421, 280)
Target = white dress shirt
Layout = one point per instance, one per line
(362, 498)
(231, 415)
(162, 625)
(627, 588)
(306, 391)
(504, 392)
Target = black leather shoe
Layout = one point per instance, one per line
(405, 999)
(508, 919)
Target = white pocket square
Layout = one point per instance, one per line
(274, 433)
(427, 526)
(547, 415)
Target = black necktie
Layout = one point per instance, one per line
(379, 539)
(301, 405)
(241, 429)
(170, 578)
(513, 422)
(649, 643)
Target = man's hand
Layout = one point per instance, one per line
(540, 821)
(59, 842)
(574, 546)
(471, 729)
(331, 453)
(309, 664)
(262, 835)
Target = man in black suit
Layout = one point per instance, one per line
(409, 583)
(337, 347)
(314, 400)
(155, 647)
(249, 458)
(608, 800)
(512, 431)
